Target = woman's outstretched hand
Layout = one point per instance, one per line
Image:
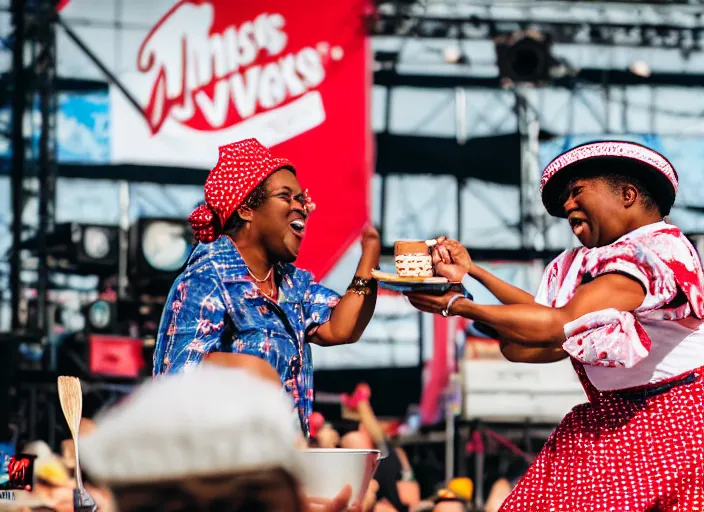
(451, 260)
(429, 302)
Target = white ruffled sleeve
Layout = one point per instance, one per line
(639, 262)
(666, 265)
(544, 294)
(607, 338)
(610, 337)
(553, 276)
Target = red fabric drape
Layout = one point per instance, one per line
(440, 367)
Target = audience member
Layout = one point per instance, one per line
(212, 439)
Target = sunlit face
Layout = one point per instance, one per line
(595, 211)
(281, 220)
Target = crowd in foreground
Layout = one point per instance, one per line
(188, 442)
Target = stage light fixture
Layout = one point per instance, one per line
(158, 250)
(525, 57)
(92, 244)
(81, 248)
(166, 245)
(640, 68)
(96, 242)
(100, 317)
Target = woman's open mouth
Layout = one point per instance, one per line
(577, 224)
(298, 227)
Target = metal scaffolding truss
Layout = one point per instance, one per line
(534, 218)
(466, 98)
(623, 24)
(464, 105)
(582, 108)
(481, 214)
(34, 167)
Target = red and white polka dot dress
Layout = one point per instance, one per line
(616, 454)
(637, 448)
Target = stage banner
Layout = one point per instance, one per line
(294, 74)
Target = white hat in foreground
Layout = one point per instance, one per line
(212, 421)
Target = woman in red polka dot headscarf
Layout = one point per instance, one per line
(240, 292)
(628, 309)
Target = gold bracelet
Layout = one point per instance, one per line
(361, 285)
(359, 291)
(362, 281)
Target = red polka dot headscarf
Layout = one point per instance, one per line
(625, 158)
(241, 167)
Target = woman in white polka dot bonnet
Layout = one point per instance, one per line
(240, 292)
(628, 309)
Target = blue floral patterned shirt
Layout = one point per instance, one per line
(215, 306)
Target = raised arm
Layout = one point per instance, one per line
(452, 260)
(352, 314)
